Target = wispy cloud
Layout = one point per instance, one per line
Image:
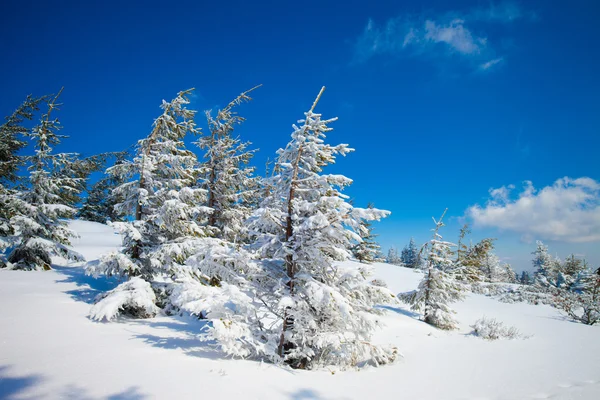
(452, 34)
(490, 64)
(567, 211)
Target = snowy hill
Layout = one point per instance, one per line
(50, 349)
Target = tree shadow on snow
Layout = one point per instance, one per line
(188, 338)
(400, 311)
(88, 287)
(17, 387)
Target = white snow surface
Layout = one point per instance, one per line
(51, 349)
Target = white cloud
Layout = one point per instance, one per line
(455, 35)
(489, 64)
(567, 211)
(452, 33)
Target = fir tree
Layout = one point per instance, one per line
(437, 289)
(525, 278)
(366, 249)
(410, 255)
(12, 135)
(305, 225)
(583, 303)
(157, 194)
(472, 265)
(40, 209)
(225, 174)
(392, 257)
(99, 205)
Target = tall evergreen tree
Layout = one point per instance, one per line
(40, 209)
(232, 189)
(12, 135)
(305, 225)
(100, 203)
(157, 194)
(437, 289)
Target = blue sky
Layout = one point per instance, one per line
(443, 101)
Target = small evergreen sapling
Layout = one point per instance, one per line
(438, 288)
(367, 248)
(410, 255)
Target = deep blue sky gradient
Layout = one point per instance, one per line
(429, 130)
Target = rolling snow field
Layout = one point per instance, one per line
(50, 349)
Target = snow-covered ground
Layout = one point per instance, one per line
(50, 349)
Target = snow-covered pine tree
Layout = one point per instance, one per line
(462, 249)
(410, 255)
(40, 210)
(167, 213)
(583, 302)
(392, 257)
(232, 189)
(438, 288)
(99, 205)
(80, 169)
(366, 250)
(325, 310)
(571, 270)
(546, 268)
(471, 267)
(12, 135)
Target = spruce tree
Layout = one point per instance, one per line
(12, 135)
(366, 249)
(157, 194)
(583, 302)
(40, 209)
(304, 226)
(231, 188)
(438, 288)
(410, 255)
(392, 257)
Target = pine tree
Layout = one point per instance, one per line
(392, 257)
(471, 260)
(437, 289)
(462, 249)
(547, 270)
(366, 250)
(326, 311)
(40, 209)
(99, 205)
(583, 302)
(157, 193)
(525, 278)
(232, 190)
(410, 255)
(12, 134)
(571, 269)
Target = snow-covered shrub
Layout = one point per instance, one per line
(134, 298)
(492, 329)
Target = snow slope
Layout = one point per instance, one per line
(50, 349)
